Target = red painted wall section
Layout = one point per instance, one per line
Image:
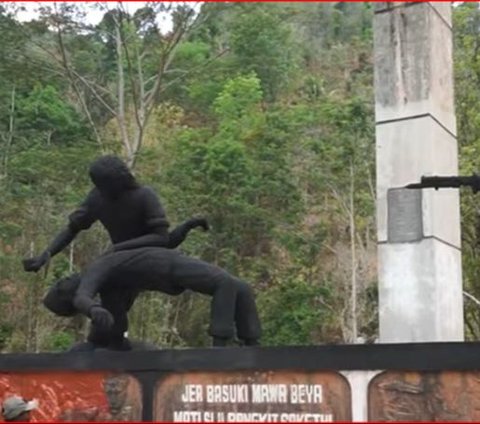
(76, 396)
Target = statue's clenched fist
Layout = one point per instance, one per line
(101, 317)
(35, 263)
(199, 222)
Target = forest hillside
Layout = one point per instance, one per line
(257, 116)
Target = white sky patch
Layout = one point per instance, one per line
(93, 12)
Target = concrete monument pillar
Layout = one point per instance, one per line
(420, 275)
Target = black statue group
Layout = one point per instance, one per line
(142, 258)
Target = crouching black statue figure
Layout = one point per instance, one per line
(168, 271)
(117, 301)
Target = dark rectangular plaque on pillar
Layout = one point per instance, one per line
(405, 223)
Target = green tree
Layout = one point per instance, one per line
(44, 110)
(466, 19)
(261, 42)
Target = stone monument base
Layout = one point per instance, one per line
(136, 345)
(376, 382)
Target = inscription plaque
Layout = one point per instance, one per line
(249, 396)
(404, 222)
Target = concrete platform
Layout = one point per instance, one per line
(393, 382)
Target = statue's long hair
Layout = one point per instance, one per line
(111, 175)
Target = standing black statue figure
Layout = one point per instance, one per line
(127, 210)
(167, 271)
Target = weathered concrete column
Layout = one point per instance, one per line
(420, 276)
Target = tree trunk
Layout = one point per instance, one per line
(70, 257)
(121, 120)
(49, 137)
(353, 297)
(9, 137)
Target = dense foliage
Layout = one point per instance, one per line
(257, 116)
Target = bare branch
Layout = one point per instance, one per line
(472, 298)
(136, 101)
(193, 70)
(72, 81)
(165, 61)
(339, 198)
(121, 93)
(94, 92)
(11, 126)
(97, 86)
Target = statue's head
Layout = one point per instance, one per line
(111, 176)
(59, 298)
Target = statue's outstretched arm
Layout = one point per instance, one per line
(81, 219)
(60, 242)
(179, 234)
(92, 282)
(175, 237)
